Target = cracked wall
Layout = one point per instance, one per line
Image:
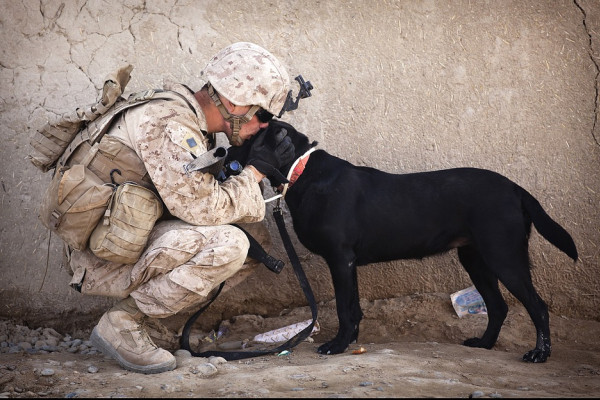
(589, 23)
(399, 85)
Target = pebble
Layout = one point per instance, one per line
(47, 372)
(182, 353)
(216, 360)
(476, 394)
(92, 369)
(365, 384)
(204, 370)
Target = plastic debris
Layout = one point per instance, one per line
(285, 333)
(468, 301)
(284, 353)
(359, 351)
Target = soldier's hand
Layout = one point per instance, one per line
(269, 158)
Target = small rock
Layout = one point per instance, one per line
(47, 372)
(495, 395)
(216, 360)
(365, 384)
(182, 353)
(476, 394)
(92, 369)
(204, 370)
(51, 332)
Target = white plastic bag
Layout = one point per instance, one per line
(468, 301)
(285, 333)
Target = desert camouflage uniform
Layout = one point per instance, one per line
(188, 257)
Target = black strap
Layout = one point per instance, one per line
(294, 341)
(257, 252)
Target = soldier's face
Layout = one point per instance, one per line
(251, 127)
(248, 129)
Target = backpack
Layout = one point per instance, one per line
(83, 186)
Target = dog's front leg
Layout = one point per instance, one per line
(345, 284)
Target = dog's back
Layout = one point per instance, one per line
(387, 216)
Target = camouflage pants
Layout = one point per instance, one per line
(180, 267)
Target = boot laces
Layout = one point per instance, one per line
(143, 335)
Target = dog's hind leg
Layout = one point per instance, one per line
(508, 259)
(345, 284)
(487, 284)
(518, 281)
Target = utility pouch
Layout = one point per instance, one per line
(123, 233)
(74, 203)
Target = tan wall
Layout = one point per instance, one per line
(399, 85)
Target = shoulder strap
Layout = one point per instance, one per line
(96, 129)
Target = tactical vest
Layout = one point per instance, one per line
(97, 176)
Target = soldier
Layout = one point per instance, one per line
(189, 256)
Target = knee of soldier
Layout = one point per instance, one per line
(239, 243)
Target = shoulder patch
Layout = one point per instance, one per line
(190, 143)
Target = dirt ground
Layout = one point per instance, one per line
(415, 85)
(412, 348)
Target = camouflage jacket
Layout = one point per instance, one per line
(165, 134)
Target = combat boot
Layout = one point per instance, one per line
(120, 335)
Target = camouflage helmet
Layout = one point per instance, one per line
(246, 74)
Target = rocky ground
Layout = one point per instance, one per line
(412, 350)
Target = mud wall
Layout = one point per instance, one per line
(402, 86)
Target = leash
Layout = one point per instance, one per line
(304, 284)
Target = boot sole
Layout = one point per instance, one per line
(108, 350)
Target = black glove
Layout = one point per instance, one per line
(270, 152)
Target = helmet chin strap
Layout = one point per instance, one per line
(236, 121)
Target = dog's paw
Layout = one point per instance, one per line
(477, 342)
(332, 347)
(536, 355)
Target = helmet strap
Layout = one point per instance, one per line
(236, 121)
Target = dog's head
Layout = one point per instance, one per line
(300, 141)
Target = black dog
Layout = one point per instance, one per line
(353, 216)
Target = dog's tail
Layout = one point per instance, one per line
(547, 227)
